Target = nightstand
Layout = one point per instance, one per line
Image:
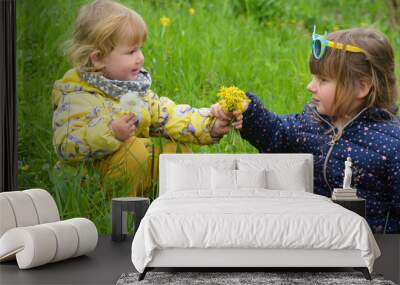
(120, 206)
(357, 205)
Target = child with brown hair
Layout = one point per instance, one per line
(104, 109)
(352, 114)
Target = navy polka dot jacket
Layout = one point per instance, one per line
(372, 141)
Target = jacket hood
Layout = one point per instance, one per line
(70, 83)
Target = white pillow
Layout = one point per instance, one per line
(223, 179)
(291, 178)
(251, 178)
(281, 174)
(183, 177)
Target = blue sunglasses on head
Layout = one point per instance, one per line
(320, 43)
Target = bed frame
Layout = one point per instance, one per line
(249, 258)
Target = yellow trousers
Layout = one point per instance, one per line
(135, 165)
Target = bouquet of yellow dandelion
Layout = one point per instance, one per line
(232, 99)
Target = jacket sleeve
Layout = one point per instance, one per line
(181, 123)
(394, 196)
(81, 129)
(267, 131)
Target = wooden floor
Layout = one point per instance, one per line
(102, 266)
(110, 259)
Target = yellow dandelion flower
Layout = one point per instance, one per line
(336, 28)
(165, 21)
(25, 167)
(232, 99)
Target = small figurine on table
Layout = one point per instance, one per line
(346, 192)
(347, 196)
(347, 174)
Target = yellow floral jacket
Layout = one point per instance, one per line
(83, 113)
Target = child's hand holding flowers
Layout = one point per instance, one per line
(124, 128)
(131, 105)
(229, 109)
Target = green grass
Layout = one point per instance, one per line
(261, 45)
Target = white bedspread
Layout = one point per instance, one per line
(250, 218)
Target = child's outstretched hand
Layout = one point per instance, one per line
(220, 128)
(228, 111)
(224, 120)
(124, 128)
(235, 117)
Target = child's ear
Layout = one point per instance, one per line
(364, 87)
(96, 60)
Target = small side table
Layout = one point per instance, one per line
(120, 207)
(357, 205)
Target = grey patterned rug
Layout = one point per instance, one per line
(243, 278)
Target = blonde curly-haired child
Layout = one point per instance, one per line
(92, 120)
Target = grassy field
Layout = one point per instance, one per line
(261, 45)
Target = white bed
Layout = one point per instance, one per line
(227, 217)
